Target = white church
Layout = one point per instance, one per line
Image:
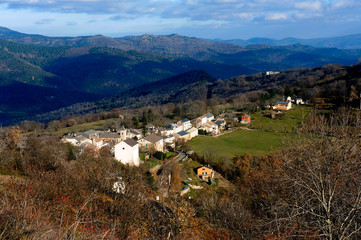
(127, 152)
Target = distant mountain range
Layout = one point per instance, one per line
(69, 70)
(342, 42)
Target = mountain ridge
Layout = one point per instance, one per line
(108, 66)
(352, 41)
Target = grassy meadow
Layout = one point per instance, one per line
(287, 123)
(83, 127)
(237, 143)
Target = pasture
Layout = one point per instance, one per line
(239, 142)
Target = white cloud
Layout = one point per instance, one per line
(345, 4)
(247, 16)
(302, 16)
(277, 16)
(151, 16)
(314, 6)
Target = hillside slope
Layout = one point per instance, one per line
(339, 85)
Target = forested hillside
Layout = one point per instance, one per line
(336, 84)
(84, 68)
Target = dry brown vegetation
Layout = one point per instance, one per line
(308, 190)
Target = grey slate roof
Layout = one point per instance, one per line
(134, 132)
(209, 115)
(80, 138)
(109, 135)
(153, 138)
(281, 102)
(131, 142)
(183, 133)
(89, 133)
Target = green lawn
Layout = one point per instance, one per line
(237, 143)
(288, 123)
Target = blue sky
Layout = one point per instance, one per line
(225, 19)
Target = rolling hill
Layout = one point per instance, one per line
(99, 66)
(340, 85)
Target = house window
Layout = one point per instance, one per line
(204, 173)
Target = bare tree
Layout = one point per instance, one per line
(319, 190)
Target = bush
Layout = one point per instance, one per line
(159, 155)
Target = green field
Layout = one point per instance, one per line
(237, 143)
(288, 123)
(83, 127)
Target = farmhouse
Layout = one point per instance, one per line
(211, 127)
(127, 152)
(152, 141)
(283, 105)
(245, 119)
(221, 123)
(205, 172)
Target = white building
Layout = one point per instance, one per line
(186, 124)
(211, 127)
(268, 73)
(299, 101)
(193, 132)
(127, 152)
(200, 121)
(97, 142)
(71, 140)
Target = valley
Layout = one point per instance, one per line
(174, 137)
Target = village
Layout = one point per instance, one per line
(128, 145)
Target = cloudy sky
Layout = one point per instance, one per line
(225, 19)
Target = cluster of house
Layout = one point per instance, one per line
(268, 73)
(286, 105)
(126, 143)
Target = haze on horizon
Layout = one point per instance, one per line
(223, 19)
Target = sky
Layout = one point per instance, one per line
(222, 19)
